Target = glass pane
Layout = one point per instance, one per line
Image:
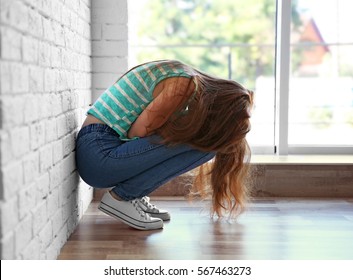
(321, 82)
(230, 39)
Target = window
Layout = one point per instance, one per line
(284, 66)
(321, 76)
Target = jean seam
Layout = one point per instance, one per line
(98, 140)
(159, 183)
(148, 149)
(122, 156)
(81, 141)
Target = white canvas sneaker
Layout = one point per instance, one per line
(129, 212)
(152, 209)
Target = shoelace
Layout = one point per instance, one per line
(136, 204)
(146, 202)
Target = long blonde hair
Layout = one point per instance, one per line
(216, 119)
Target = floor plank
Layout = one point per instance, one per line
(271, 229)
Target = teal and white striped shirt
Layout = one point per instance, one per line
(121, 104)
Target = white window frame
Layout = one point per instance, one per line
(282, 77)
(282, 74)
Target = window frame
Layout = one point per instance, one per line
(282, 81)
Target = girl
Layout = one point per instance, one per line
(159, 120)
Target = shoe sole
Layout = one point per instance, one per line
(162, 216)
(128, 220)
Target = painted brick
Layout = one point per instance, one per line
(70, 209)
(30, 49)
(30, 167)
(53, 203)
(97, 91)
(46, 7)
(10, 44)
(56, 54)
(52, 251)
(12, 111)
(5, 76)
(30, 109)
(69, 143)
(44, 54)
(56, 175)
(35, 23)
(69, 165)
(19, 15)
(61, 126)
(59, 37)
(60, 81)
(50, 130)
(73, 5)
(114, 15)
(84, 98)
(68, 187)
(109, 64)
(75, 216)
(23, 234)
(62, 236)
(5, 149)
(8, 247)
(71, 121)
(97, 31)
(20, 141)
(58, 241)
(73, 21)
(49, 79)
(69, 40)
(45, 89)
(105, 80)
(48, 31)
(44, 108)
(55, 104)
(110, 48)
(45, 157)
(80, 27)
(32, 250)
(42, 187)
(20, 78)
(37, 135)
(40, 216)
(57, 220)
(83, 62)
(58, 151)
(45, 237)
(9, 216)
(57, 9)
(115, 32)
(12, 177)
(66, 98)
(27, 200)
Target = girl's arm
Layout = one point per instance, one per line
(174, 93)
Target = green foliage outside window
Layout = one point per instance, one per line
(211, 35)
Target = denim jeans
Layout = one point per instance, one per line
(132, 169)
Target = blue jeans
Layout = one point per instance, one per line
(132, 169)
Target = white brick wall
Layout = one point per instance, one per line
(45, 88)
(109, 43)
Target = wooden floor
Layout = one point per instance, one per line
(272, 229)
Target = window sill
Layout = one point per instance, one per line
(302, 159)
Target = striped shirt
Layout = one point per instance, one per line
(121, 104)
